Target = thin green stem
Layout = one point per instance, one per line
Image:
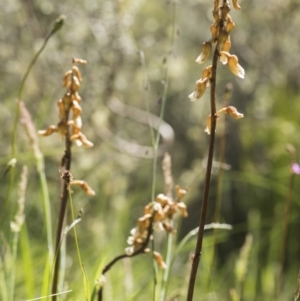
(165, 279)
(286, 220)
(157, 138)
(145, 89)
(198, 249)
(30, 130)
(141, 250)
(57, 25)
(85, 280)
(163, 106)
(13, 268)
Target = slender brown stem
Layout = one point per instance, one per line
(66, 165)
(198, 249)
(217, 213)
(141, 250)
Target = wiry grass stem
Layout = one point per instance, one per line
(284, 238)
(198, 249)
(157, 138)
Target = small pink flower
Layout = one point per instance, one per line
(296, 169)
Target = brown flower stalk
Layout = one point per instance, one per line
(69, 126)
(158, 216)
(220, 31)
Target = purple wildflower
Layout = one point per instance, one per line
(296, 169)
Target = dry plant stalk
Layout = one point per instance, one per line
(158, 216)
(70, 128)
(220, 30)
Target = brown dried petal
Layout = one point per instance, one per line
(77, 72)
(232, 111)
(182, 208)
(162, 199)
(229, 24)
(223, 37)
(75, 83)
(214, 31)
(50, 130)
(233, 64)
(76, 96)
(80, 137)
(199, 89)
(205, 53)
(66, 78)
(84, 186)
(61, 110)
(79, 61)
(207, 72)
(226, 48)
(181, 192)
(62, 128)
(76, 109)
(236, 5)
(159, 260)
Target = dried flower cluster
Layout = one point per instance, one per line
(70, 103)
(157, 214)
(220, 31)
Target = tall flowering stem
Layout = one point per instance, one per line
(197, 253)
(69, 126)
(220, 30)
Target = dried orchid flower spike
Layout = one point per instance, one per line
(70, 104)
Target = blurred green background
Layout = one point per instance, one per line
(113, 36)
